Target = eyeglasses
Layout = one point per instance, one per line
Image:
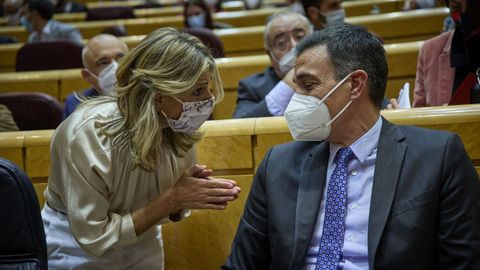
(287, 40)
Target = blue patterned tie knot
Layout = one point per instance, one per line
(331, 242)
(344, 155)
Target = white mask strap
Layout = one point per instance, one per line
(181, 102)
(335, 88)
(91, 73)
(338, 114)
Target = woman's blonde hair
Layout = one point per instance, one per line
(166, 62)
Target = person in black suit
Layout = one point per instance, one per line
(282, 33)
(355, 191)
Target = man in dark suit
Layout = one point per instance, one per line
(355, 191)
(282, 33)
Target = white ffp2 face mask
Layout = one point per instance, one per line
(308, 117)
(194, 114)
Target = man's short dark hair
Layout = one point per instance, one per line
(351, 48)
(45, 8)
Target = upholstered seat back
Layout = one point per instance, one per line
(33, 110)
(49, 55)
(109, 13)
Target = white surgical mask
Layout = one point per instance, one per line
(253, 4)
(308, 117)
(197, 20)
(107, 78)
(336, 17)
(426, 3)
(26, 23)
(194, 114)
(287, 62)
(297, 7)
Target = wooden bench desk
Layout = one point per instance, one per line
(142, 26)
(353, 8)
(234, 148)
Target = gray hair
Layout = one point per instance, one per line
(287, 13)
(352, 48)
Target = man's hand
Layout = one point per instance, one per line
(288, 79)
(393, 104)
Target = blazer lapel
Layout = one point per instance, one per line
(390, 155)
(310, 193)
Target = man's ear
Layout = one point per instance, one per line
(359, 80)
(269, 53)
(87, 76)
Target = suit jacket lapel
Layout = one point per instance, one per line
(390, 155)
(310, 193)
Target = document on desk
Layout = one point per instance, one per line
(404, 97)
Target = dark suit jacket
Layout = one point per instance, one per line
(424, 213)
(251, 94)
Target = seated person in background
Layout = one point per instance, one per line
(255, 95)
(197, 14)
(448, 65)
(99, 56)
(65, 6)
(7, 123)
(37, 19)
(324, 13)
(253, 4)
(355, 191)
(12, 10)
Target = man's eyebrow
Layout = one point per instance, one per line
(277, 35)
(101, 59)
(303, 76)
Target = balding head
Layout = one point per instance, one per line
(98, 53)
(282, 33)
(101, 50)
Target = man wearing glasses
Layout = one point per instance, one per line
(268, 93)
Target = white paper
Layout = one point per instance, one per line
(404, 97)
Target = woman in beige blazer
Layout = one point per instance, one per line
(123, 165)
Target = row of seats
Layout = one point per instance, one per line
(392, 27)
(353, 8)
(233, 149)
(402, 59)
